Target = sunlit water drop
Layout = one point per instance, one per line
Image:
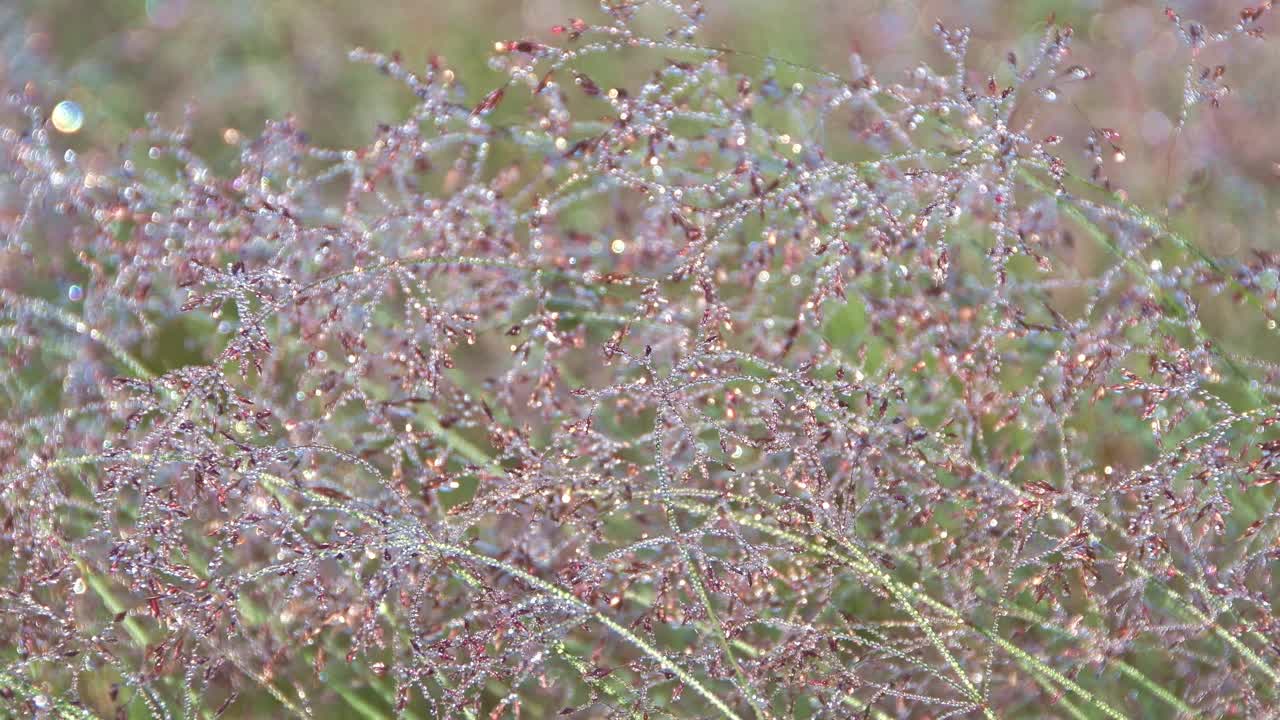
(67, 117)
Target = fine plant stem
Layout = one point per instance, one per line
(1025, 659)
(411, 539)
(866, 564)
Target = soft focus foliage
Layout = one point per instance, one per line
(660, 379)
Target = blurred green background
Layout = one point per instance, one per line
(243, 61)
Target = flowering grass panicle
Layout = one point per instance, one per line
(699, 384)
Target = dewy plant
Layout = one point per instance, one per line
(719, 387)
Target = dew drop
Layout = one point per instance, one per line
(67, 117)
